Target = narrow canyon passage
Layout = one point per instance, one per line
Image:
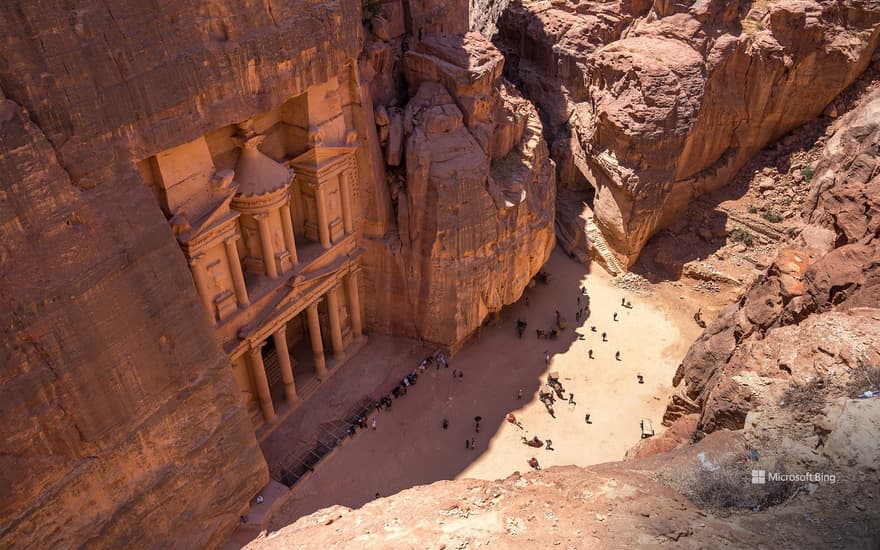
(410, 447)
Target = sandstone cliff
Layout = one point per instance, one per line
(122, 424)
(653, 105)
(815, 314)
(474, 195)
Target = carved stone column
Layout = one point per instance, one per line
(323, 221)
(199, 276)
(287, 227)
(299, 210)
(237, 276)
(317, 346)
(280, 339)
(335, 322)
(266, 244)
(345, 190)
(354, 304)
(255, 359)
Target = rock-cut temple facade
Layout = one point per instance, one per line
(266, 212)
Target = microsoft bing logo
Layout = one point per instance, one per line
(759, 477)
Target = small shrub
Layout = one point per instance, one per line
(753, 210)
(864, 379)
(741, 236)
(807, 172)
(731, 487)
(772, 217)
(807, 397)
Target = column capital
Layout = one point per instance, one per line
(197, 259)
(257, 348)
(259, 216)
(232, 239)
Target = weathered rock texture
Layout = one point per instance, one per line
(815, 313)
(122, 425)
(474, 199)
(653, 105)
(632, 504)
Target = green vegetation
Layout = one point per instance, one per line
(741, 236)
(772, 217)
(753, 210)
(807, 172)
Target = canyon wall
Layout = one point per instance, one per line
(122, 424)
(471, 185)
(655, 104)
(815, 313)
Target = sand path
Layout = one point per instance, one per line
(411, 448)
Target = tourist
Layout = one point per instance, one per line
(579, 301)
(374, 424)
(617, 356)
(378, 495)
(527, 301)
(590, 353)
(571, 399)
(584, 290)
(623, 302)
(615, 316)
(546, 357)
(550, 445)
(577, 316)
(587, 418)
(445, 424)
(473, 444)
(460, 375)
(641, 378)
(519, 394)
(259, 499)
(534, 463)
(467, 443)
(593, 328)
(477, 420)
(604, 337)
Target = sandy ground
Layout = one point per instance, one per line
(410, 447)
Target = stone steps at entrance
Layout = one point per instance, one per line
(598, 241)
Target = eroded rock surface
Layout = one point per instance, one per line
(122, 425)
(475, 201)
(815, 313)
(655, 105)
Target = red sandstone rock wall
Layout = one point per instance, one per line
(815, 313)
(656, 105)
(122, 425)
(475, 195)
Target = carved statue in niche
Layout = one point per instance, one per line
(180, 224)
(314, 136)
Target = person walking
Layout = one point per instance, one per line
(445, 424)
(591, 354)
(473, 444)
(546, 357)
(549, 445)
(519, 394)
(623, 302)
(604, 337)
(615, 316)
(374, 424)
(617, 356)
(571, 399)
(467, 443)
(587, 418)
